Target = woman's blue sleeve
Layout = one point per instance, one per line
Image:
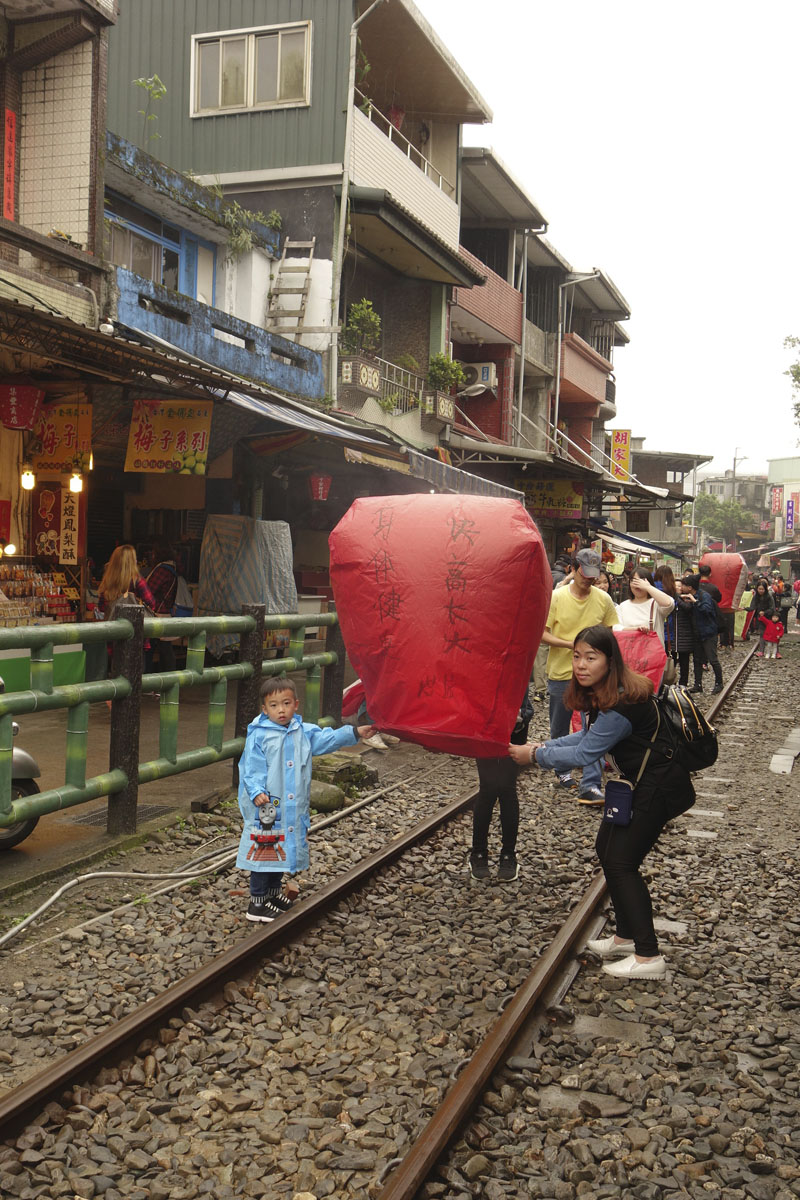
(586, 746)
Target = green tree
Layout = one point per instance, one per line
(722, 518)
(156, 90)
(793, 343)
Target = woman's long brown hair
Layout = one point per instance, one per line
(665, 576)
(122, 571)
(620, 686)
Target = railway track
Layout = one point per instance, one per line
(236, 973)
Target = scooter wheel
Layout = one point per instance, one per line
(12, 835)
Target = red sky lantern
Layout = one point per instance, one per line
(442, 600)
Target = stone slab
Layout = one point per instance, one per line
(634, 1032)
(554, 1100)
(663, 925)
(781, 764)
(705, 812)
(706, 834)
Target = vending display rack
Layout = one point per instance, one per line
(36, 592)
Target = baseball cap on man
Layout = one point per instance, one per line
(589, 562)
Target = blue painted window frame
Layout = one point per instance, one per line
(186, 246)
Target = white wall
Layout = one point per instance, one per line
(55, 144)
(377, 162)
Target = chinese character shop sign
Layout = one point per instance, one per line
(554, 498)
(777, 500)
(9, 164)
(68, 550)
(621, 453)
(64, 432)
(789, 516)
(168, 437)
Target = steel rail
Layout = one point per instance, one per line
(112, 1044)
(730, 686)
(407, 1179)
(121, 1039)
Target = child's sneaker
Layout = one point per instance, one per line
(479, 865)
(281, 902)
(261, 908)
(508, 870)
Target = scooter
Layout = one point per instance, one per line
(24, 773)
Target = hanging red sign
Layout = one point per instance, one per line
(20, 403)
(9, 164)
(319, 486)
(5, 520)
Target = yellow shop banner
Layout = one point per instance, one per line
(64, 436)
(169, 437)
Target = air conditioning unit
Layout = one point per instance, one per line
(479, 373)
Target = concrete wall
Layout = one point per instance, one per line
(197, 328)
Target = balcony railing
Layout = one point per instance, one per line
(382, 122)
(401, 385)
(560, 445)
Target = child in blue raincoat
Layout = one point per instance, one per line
(275, 791)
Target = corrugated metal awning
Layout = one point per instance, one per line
(453, 479)
(630, 544)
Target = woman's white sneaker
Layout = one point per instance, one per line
(608, 947)
(631, 968)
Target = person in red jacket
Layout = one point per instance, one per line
(773, 632)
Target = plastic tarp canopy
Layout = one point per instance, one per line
(243, 561)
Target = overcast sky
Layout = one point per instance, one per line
(660, 141)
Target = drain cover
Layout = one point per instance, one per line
(145, 812)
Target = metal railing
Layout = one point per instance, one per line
(127, 636)
(390, 130)
(561, 445)
(402, 386)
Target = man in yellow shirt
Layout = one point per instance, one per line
(574, 607)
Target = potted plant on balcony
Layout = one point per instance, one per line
(444, 376)
(358, 342)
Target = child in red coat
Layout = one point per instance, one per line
(772, 633)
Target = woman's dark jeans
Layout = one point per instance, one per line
(621, 850)
(498, 781)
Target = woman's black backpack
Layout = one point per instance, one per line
(683, 735)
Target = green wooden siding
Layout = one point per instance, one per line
(154, 37)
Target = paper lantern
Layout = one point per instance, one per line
(729, 574)
(20, 402)
(319, 486)
(442, 601)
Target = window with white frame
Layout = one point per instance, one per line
(251, 69)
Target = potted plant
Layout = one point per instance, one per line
(358, 342)
(444, 375)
